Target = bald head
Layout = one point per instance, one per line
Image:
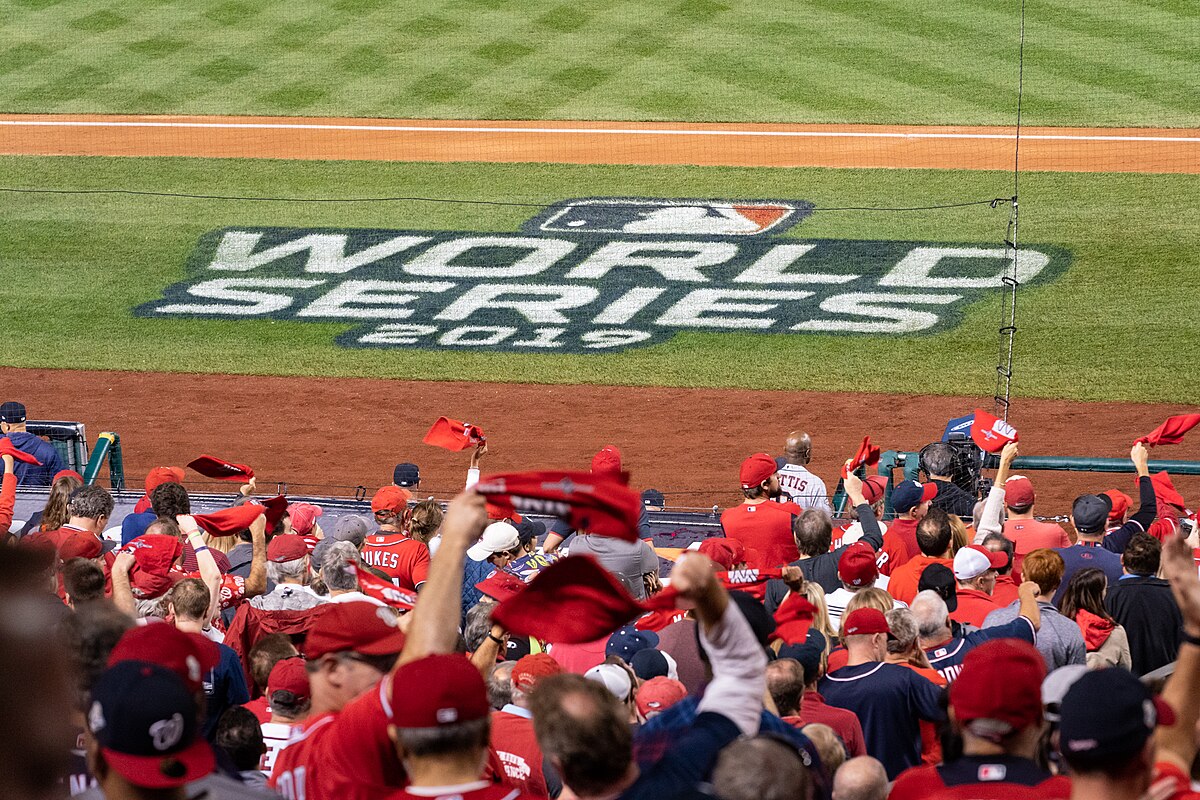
(861, 778)
(797, 448)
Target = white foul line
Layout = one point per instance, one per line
(601, 131)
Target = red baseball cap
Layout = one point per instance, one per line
(607, 460)
(863, 621)
(1011, 664)
(874, 488)
(66, 473)
(354, 627)
(160, 475)
(286, 547)
(501, 585)
(532, 668)
(1018, 492)
(659, 694)
(304, 516)
(390, 498)
(1120, 504)
(289, 675)
(857, 566)
(438, 690)
(756, 469)
(189, 655)
(721, 551)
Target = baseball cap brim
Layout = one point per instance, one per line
(928, 491)
(390, 644)
(166, 771)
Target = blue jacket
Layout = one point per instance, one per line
(43, 451)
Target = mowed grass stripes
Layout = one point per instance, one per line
(1091, 62)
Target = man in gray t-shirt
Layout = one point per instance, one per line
(628, 561)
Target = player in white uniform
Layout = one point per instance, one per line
(800, 486)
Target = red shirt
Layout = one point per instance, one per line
(260, 708)
(1005, 590)
(404, 560)
(907, 577)
(973, 606)
(931, 743)
(344, 755)
(479, 790)
(1031, 534)
(899, 545)
(766, 531)
(579, 658)
(814, 709)
(517, 747)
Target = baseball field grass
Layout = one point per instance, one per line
(1117, 324)
(1088, 62)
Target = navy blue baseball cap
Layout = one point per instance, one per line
(910, 494)
(144, 720)
(12, 412)
(653, 497)
(1090, 513)
(1108, 714)
(406, 475)
(627, 641)
(649, 663)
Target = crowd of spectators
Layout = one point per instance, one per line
(962, 648)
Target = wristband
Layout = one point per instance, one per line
(495, 639)
(200, 549)
(1189, 639)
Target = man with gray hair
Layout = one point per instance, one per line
(88, 512)
(287, 567)
(861, 778)
(340, 563)
(946, 651)
(761, 768)
(499, 684)
(937, 460)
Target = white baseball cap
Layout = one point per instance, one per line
(973, 560)
(615, 679)
(497, 538)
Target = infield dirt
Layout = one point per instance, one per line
(323, 435)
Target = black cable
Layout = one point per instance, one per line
(246, 198)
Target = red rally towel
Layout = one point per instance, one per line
(154, 555)
(595, 503)
(867, 456)
(793, 618)
(220, 469)
(7, 448)
(383, 591)
(1164, 489)
(450, 434)
(1171, 431)
(991, 433)
(229, 521)
(275, 507)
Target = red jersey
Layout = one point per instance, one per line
(973, 606)
(260, 708)
(345, 755)
(981, 778)
(479, 790)
(766, 531)
(907, 577)
(899, 545)
(403, 559)
(517, 747)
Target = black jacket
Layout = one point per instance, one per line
(953, 500)
(1152, 621)
(822, 569)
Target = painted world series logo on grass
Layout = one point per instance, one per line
(594, 275)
